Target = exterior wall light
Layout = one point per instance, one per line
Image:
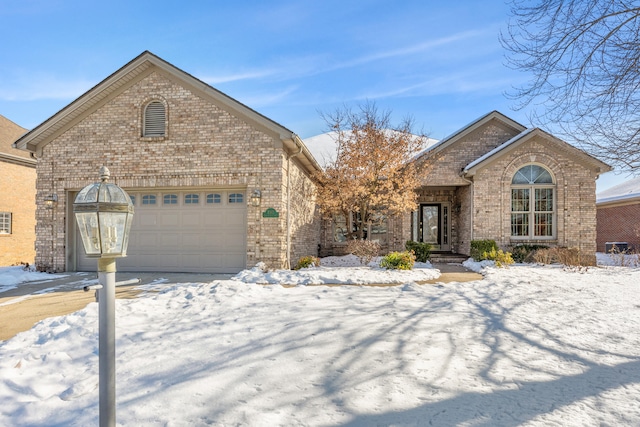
(104, 213)
(255, 197)
(50, 200)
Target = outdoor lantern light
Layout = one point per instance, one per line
(104, 212)
(50, 200)
(255, 197)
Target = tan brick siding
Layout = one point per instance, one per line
(574, 197)
(618, 224)
(205, 146)
(443, 168)
(305, 216)
(17, 187)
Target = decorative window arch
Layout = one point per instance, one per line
(533, 212)
(154, 119)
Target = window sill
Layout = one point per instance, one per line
(153, 138)
(537, 240)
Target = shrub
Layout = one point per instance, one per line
(525, 252)
(571, 257)
(499, 257)
(398, 261)
(366, 250)
(421, 250)
(306, 262)
(479, 247)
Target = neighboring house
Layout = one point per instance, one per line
(192, 159)
(495, 179)
(17, 198)
(619, 216)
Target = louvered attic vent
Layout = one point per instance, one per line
(154, 119)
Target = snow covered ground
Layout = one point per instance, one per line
(528, 345)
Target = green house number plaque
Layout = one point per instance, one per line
(270, 213)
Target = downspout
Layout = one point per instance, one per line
(295, 139)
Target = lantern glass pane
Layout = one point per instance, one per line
(111, 193)
(88, 194)
(112, 226)
(88, 225)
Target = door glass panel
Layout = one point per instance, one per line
(430, 223)
(445, 225)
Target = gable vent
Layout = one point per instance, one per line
(154, 119)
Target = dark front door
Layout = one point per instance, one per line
(435, 225)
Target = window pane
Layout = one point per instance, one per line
(532, 174)
(191, 199)
(170, 199)
(214, 198)
(133, 199)
(339, 228)
(149, 199)
(5, 222)
(520, 224)
(544, 224)
(544, 200)
(236, 198)
(519, 200)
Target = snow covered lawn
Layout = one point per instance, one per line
(527, 345)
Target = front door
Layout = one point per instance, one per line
(435, 225)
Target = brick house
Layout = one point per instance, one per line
(618, 216)
(495, 179)
(191, 158)
(17, 198)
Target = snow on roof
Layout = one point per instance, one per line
(627, 190)
(323, 147)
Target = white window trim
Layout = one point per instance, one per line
(10, 223)
(531, 211)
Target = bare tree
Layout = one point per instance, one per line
(371, 177)
(584, 56)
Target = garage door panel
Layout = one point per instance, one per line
(184, 237)
(213, 218)
(145, 218)
(169, 219)
(191, 220)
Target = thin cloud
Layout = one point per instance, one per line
(317, 64)
(267, 99)
(247, 75)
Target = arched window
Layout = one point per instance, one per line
(532, 203)
(154, 119)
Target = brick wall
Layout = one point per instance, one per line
(305, 217)
(618, 224)
(574, 196)
(443, 168)
(17, 190)
(205, 146)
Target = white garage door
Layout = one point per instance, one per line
(200, 231)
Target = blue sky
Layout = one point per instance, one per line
(439, 62)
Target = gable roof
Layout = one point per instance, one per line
(526, 135)
(9, 131)
(465, 130)
(130, 73)
(624, 192)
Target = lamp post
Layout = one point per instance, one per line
(104, 213)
